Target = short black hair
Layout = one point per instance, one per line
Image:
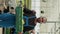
(12, 7)
(6, 10)
(42, 12)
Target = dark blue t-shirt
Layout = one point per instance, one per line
(7, 20)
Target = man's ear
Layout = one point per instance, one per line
(38, 20)
(35, 21)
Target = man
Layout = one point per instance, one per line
(12, 10)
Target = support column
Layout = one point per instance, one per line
(19, 17)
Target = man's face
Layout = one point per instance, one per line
(12, 11)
